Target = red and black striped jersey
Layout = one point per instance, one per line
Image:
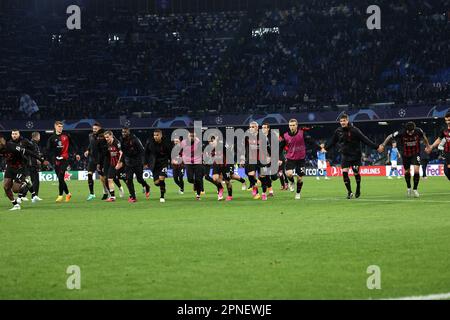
(445, 135)
(114, 152)
(409, 144)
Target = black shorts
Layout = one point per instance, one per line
(207, 169)
(114, 173)
(16, 174)
(130, 171)
(411, 161)
(350, 162)
(225, 170)
(194, 172)
(159, 171)
(251, 168)
(178, 171)
(298, 166)
(61, 166)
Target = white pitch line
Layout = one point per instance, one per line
(439, 296)
(426, 194)
(376, 200)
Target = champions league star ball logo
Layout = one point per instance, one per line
(402, 113)
(29, 124)
(219, 120)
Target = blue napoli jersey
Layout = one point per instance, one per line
(321, 155)
(394, 154)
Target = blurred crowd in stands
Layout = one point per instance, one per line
(317, 53)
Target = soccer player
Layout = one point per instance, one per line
(178, 169)
(35, 165)
(25, 143)
(350, 138)
(252, 158)
(93, 154)
(443, 144)
(103, 164)
(295, 141)
(266, 175)
(393, 157)
(321, 164)
(58, 146)
(207, 166)
(133, 152)
(158, 150)
(409, 140)
(192, 159)
(223, 172)
(115, 162)
(14, 179)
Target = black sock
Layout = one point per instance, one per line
(299, 186)
(230, 191)
(181, 185)
(252, 181)
(130, 185)
(282, 180)
(198, 186)
(60, 189)
(408, 179)
(23, 191)
(14, 202)
(347, 182)
(241, 180)
(162, 188)
(146, 186)
(117, 182)
(264, 184)
(208, 178)
(416, 180)
(111, 192)
(358, 183)
(91, 183)
(65, 188)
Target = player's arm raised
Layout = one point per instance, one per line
(389, 138)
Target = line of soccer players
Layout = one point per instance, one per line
(125, 158)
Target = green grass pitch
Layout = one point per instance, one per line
(317, 248)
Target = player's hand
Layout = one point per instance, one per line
(45, 162)
(98, 167)
(145, 166)
(428, 149)
(86, 154)
(119, 165)
(280, 163)
(380, 148)
(441, 147)
(78, 157)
